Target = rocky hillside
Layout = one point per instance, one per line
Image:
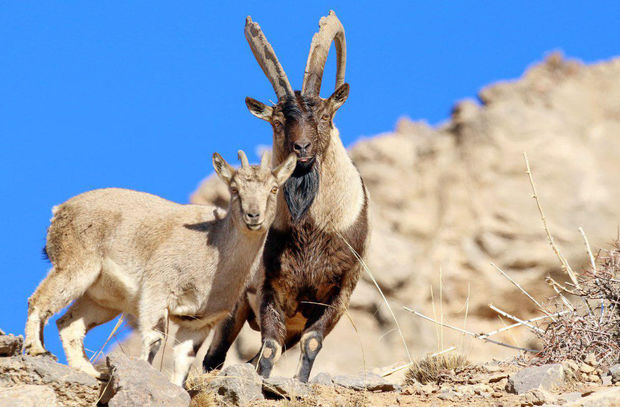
(450, 200)
(447, 202)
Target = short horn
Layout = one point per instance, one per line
(267, 59)
(265, 161)
(330, 30)
(243, 158)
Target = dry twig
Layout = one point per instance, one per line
(565, 266)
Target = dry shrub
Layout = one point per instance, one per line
(432, 369)
(593, 325)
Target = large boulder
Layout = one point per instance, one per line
(136, 383)
(546, 377)
(11, 345)
(72, 387)
(28, 395)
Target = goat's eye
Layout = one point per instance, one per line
(325, 117)
(277, 125)
(274, 190)
(234, 190)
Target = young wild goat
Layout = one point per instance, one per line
(117, 250)
(310, 262)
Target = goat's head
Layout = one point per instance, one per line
(253, 189)
(302, 121)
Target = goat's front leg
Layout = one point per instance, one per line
(81, 317)
(319, 327)
(273, 331)
(187, 343)
(225, 334)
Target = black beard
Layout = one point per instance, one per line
(300, 190)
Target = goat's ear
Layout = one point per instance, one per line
(223, 169)
(284, 170)
(339, 96)
(259, 109)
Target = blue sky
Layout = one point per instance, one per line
(139, 94)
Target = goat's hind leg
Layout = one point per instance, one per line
(152, 319)
(187, 344)
(83, 315)
(56, 291)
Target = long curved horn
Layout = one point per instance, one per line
(267, 59)
(243, 158)
(330, 29)
(265, 161)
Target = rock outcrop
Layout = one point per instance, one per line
(136, 383)
(36, 376)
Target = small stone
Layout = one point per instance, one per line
(368, 381)
(605, 398)
(411, 390)
(570, 365)
(238, 384)
(28, 395)
(591, 359)
(11, 345)
(322, 378)
(497, 395)
(493, 368)
(539, 377)
(285, 387)
(569, 397)
(497, 377)
(537, 397)
(606, 380)
(482, 388)
(586, 368)
(428, 389)
(448, 395)
(614, 372)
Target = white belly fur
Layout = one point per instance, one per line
(114, 288)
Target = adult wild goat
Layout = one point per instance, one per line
(117, 250)
(310, 262)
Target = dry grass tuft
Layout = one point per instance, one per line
(197, 386)
(431, 369)
(204, 399)
(593, 324)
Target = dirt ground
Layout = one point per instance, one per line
(474, 385)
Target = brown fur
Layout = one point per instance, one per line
(306, 265)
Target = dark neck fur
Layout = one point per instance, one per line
(300, 190)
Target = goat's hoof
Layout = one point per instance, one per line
(39, 352)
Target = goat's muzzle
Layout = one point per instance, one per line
(253, 221)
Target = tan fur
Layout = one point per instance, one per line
(342, 195)
(116, 250)
(341, 198)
